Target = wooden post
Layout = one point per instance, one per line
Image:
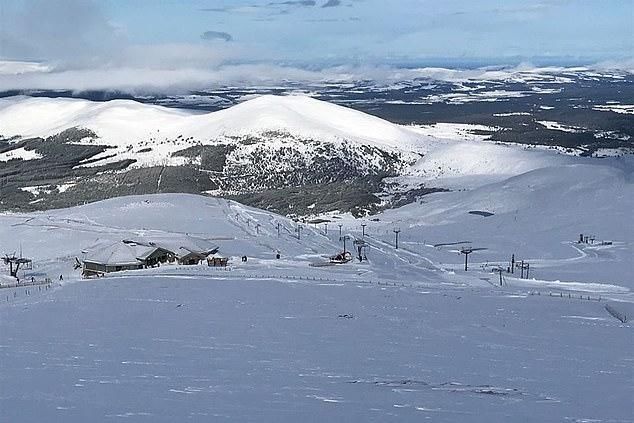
(466, 252)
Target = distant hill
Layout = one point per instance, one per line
(290, 154)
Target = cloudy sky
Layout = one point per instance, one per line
(195, 40)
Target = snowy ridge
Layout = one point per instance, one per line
(131, 126)
(464, 164)
(152, 134)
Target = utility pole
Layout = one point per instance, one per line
(524, 266)
(466, 251)
(363, 225)
(345, 237)
(326, 228)
(396, 232)
(513, 263)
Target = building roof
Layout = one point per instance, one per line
(180, 245)
(115, 254)
(131, 252)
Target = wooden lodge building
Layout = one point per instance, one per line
(142, 253)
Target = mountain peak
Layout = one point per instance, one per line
(308, 117)
(125, 122)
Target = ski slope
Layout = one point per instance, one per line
(407, 336)
(537, 215)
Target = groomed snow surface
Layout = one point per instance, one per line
(407, 336)
(166, 349)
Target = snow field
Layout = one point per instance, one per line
(151, 348)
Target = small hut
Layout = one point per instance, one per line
(190, 257)
(150, 254)
(217, 261)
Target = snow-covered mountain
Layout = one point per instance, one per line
(292, 154)
(130, 126)
(267, 143)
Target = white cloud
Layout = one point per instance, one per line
(626, 65)
(21, 67)
(73, 44)
(181, 79)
